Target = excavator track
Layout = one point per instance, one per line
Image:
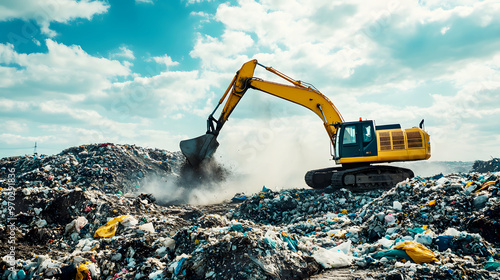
(358, 179)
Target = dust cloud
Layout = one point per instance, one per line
(188, 185)
(236, 167)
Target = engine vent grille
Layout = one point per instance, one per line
(414, 139)
(385, 141)
(398, 140)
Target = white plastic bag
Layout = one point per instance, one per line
(129, 221)
(396, 205)
(331, 258)
(148, 227)
(386, 243)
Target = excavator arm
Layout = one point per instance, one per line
(203, 147)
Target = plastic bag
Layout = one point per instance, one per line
(344, 247)
(129, 221)
(109, 229)
(76, 225)
(452, 231)
(292, 243)
(386, 243)
(492, 266)
(147, 227)
(390, 219)
(391, 254)
(444, 242)
(396, 205)
(82, 272)
(425, 239)
(417, 252)
(332, 258)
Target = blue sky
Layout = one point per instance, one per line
(149, 73)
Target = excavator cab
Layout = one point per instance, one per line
(356, 139)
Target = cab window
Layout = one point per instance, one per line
(350, 134)
(367, 133)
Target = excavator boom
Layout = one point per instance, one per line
(203, 147)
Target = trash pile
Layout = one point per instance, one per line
(108, 167)
(82, 214)
(445, 226)
(481, 166)
(298, 205)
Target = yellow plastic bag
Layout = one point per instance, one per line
(81, 272)
(417, 252)
(485, 185)
(109, 229)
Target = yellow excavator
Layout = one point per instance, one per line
(358, 145)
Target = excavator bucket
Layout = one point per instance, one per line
(199, 148)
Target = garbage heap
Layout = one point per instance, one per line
(443, 227)
(106, 167)
(440, 227)
(481, 166)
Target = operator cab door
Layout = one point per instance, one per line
(357, 139)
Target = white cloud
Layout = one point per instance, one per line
(63, 68)
(8, 105)
(124, 52)
(46, 11)
(170, 92)
(224, 53)
(203, 18)
(166, 60)
(191, 2)
(144, 1)
(15, 139)
(14, 126)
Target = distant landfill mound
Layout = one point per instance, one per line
(481, 166)
(86, 213)
(104, 166)
(113, 169)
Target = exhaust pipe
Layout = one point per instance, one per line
(200, 148)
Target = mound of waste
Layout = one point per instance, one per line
(82, 214)
(481, 166)
(108, 167)
(299, 205)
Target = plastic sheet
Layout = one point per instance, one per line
(332, 258)
(109, 229)
(417, 252)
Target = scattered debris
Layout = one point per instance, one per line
(83, 213)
